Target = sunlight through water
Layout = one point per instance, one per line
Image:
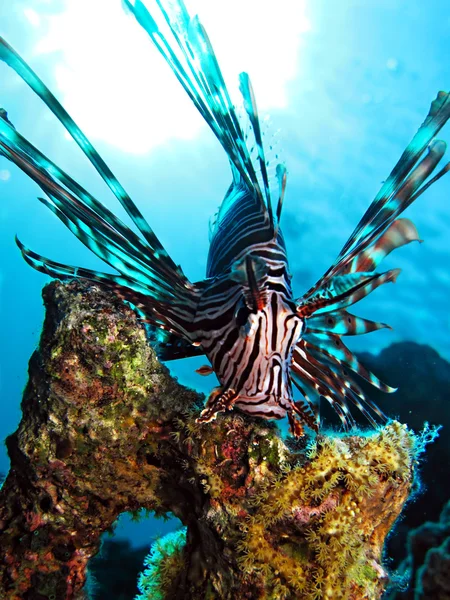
(118, 88)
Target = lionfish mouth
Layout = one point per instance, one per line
(267, 406)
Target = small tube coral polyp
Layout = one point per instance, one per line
(163, 566)
(318, 530)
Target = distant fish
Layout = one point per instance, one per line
(260, 339)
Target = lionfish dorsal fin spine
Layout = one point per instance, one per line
(194, 63)
(281, 174)
(251, 109)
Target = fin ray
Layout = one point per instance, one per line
(10, 57)
(352, 275)
(194, 63)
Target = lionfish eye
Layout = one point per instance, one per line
(242, 315)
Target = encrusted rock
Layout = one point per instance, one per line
(106, 429)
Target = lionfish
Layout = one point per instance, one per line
(261, 340)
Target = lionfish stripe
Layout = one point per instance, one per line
(241, 227)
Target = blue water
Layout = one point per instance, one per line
(364, 77)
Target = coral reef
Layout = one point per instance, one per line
(423, 381)
(427, 567)
(106, 429)
(334, 513)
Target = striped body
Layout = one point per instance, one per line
(249, 347)
(257, 365)
(261, 340)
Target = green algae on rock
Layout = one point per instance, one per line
(106, 429)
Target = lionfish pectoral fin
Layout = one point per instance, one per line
(218, 401)
(341, 291)
(321, 362)
(398, 234)
(148, 278)
(170, 346)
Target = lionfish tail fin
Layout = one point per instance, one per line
(185, 46)
(322, 364)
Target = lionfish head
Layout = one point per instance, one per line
(254, 371)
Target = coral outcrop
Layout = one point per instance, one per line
(165, 561)
(106, 429)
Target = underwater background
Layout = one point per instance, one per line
(345, 85)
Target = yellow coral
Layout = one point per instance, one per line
(333, 545)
